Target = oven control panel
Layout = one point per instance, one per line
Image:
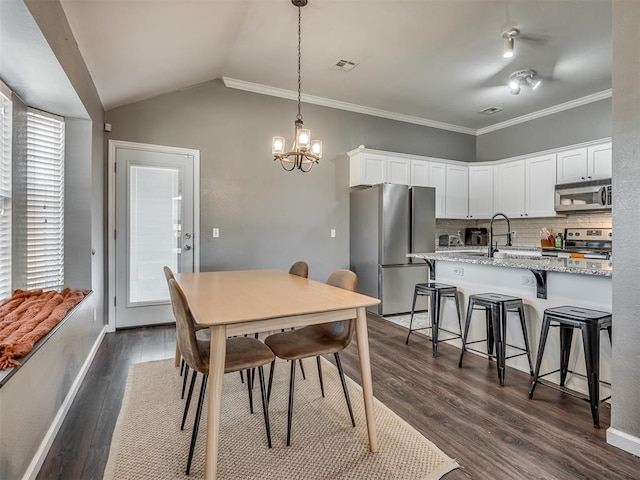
(589, 234)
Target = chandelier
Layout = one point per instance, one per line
(305, 152)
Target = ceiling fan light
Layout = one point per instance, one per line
(508, 47)
(514, 84)
(534, 82)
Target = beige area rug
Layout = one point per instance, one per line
(148, 444)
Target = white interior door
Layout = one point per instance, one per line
(154, 227)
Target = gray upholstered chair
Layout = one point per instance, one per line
(202, 334)
(313, 341)
(300, 269)
(243, 353)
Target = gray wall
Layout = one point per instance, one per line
(77, 210)
(87, 145)
(577, 125)
(32, 398)
(626, 221)
(269, 218)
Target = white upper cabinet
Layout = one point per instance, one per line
(420, 173)
(525, 188)
(540, 186)
(438, 180)
(398, 170)
(584, 163)
(481, 191)
(457, 192)
(510, 188)
(367, 169)
(599, 161)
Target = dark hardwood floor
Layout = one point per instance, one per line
(493, 432)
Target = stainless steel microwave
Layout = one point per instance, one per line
(594, 195)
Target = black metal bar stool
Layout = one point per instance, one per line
(590, 322)
(435, 292)
(496, 307)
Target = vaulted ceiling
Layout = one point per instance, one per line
(430, 61)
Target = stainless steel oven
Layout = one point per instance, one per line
(583, 196)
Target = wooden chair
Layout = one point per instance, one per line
(243, 353)
(313, 341)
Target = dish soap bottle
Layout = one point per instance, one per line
(558, 240)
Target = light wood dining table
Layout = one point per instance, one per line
(248, 301)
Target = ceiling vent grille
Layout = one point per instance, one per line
(344, 65)
(490, 110)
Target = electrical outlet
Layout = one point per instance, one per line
(333, 233)
(216, 232)
(526, 280)
(458, 271)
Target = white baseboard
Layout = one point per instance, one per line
(623, 441)
(47, 441)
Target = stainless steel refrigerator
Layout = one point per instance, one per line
(387, 222)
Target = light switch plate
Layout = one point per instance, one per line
(216, 232)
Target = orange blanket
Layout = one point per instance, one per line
(28, 316)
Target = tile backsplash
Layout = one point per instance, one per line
(527, 229)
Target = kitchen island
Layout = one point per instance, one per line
(541, 282)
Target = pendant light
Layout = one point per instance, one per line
(305, 152)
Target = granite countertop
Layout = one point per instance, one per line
(530, 259)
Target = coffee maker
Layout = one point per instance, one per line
(476, 236)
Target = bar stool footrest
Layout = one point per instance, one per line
(569, 392)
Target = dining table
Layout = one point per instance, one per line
(232, 303)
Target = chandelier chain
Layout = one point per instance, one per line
(299, 116)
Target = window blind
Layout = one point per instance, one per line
(45, 200)
(5, 195)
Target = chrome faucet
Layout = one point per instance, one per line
(491, 235)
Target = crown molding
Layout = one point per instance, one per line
(351, 107)
(547, 111)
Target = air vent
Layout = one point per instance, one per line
(344, 65)
(490, 110)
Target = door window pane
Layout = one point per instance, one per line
(154, 231)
